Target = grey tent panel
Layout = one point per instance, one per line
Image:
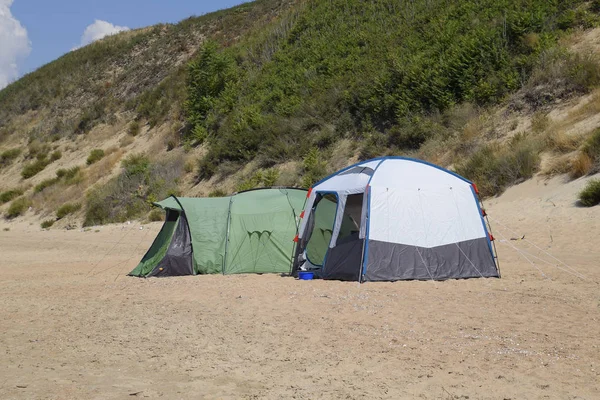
(178, 261)
(392, 261)
(343, 262)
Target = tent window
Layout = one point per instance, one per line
(350, 229)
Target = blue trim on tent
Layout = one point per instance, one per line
(368, 219)
(391, 158)
(487, 234)
(337, 204)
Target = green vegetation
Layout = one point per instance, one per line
(45, 184)
(134, 128)
(493, 169)
(34, 168)
(9, 195)
(68, 173)
(377, 71)
(592, 149)
(217, 193)
(266, 178)
(69, 176)
(314, 166)
(17, 208)
(7, 156)
(47, 223)
(95, 155)
(40, 153)
(66, 209)
(56, 155)
(590, 195)
(156, 215)
(131, 194)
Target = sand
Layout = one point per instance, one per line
(73, 326)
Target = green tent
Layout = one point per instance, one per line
(249, 232)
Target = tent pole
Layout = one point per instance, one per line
(367, 211)
(297, 223)
(227, 235)
(489, 227)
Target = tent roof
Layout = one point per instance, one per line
(255, 201)
(355, 178)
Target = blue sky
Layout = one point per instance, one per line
(54, 27)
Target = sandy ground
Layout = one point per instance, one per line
(73, 326)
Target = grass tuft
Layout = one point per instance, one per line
(156, 215)
(67, 209)
(17, 208)
(9, 195)
(590, 195)
(95, 155)
(493, 168)
(47, 223)
(8, 156)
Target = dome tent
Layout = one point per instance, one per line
(396, 218)
(249, 232)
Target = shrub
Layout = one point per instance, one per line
(558, 165)
(47, 223)
(7, 156)
(130, 194)
(493, 168)
(559, 74)
(592, 149)
(156, 215)
(68, 173)
(315, 168)
(71, 176)
(270, 177)
(34, 168)
(38, 150)
(56, 155)
(252, 182)
(9, 195)
(217, 193)
(46, 183)
(66, 209)
(17, 207)
(95, 155)
(581, 165)
(134, 128)
(136, 164)
(188, 167)
(590, 195)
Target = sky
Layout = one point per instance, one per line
(35, 32)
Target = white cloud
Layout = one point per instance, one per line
(14, 44)
(97, 31)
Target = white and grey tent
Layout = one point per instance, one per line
(394, 218)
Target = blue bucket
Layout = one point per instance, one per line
(305, 275)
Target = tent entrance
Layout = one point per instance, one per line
(178, 258)
(332, 243)
(344, 257)
(321, 223)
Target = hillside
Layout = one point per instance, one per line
(283, 92)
